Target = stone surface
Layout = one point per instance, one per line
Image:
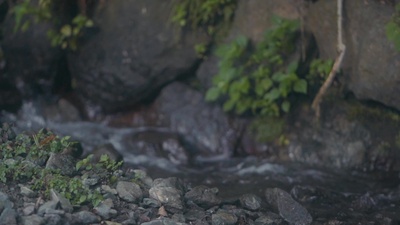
(105, 209)
(31, 61)
(337, 143)
(203, 196)
(206, 128)
(85, 217)
(287, 207)
(32, 220)
(223, 218)
(8, 217)
(371, 64)
(250, 201)
(126, 63)
(129, 191)
(169, 192)
(164, 145)
(64, 203)
(64, 162)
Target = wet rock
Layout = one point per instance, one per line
(32, 62)
(337, 143)
(5, 202)
(159, 144)
(129, 191)
(163, 221)
(250, 201)
(106, 149)
(287, 207)
(169, 192)
(53, 219)
(365, 202)
(25, 191)
(105, 209)
(29, 209)
(268, 219)
(64, 203)
(178, 217)
(151, 202)
(108, 189)
(206, 128)
(8, 217)
(123, 65)
(223, 218)
(84, 217)
(63, 111)
(32, 220)
(64, 162)
(195, 214)
(49, 207)
(90, 179)
(203, 196)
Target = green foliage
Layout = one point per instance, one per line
(21, 160)
(66, 37)
(203, 13)
(267, 129)
(393, 28)
(71, 188)
(258, 79)
(319, 71)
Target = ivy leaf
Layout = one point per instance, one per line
(228, 105)
(300, 86)
(272, 95)
(285, 106)
(212, 94)
(291, 69)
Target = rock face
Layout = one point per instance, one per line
(136, 51)
(371, 64)
(207, 128)
(31, 61)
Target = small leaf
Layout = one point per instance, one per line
(292, 67)
(212, 94)
(228, 105)
(66, 30)
(300, 86)
(285, 106)
(272, 95)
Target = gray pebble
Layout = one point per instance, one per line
(129, 191)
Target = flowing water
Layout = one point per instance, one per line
(342, 195)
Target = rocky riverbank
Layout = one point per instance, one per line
(63, 188)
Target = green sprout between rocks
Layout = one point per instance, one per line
(23, 158)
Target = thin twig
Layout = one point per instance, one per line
(336, 66)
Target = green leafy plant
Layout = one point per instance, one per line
(259, 78)
(319, 71)
(393, 28)
(203, 13)
(66, 36)
(18, 163)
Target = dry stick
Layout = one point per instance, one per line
(336, 66)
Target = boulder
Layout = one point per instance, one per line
(31, 62)
(371, 63)
(135, 52)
